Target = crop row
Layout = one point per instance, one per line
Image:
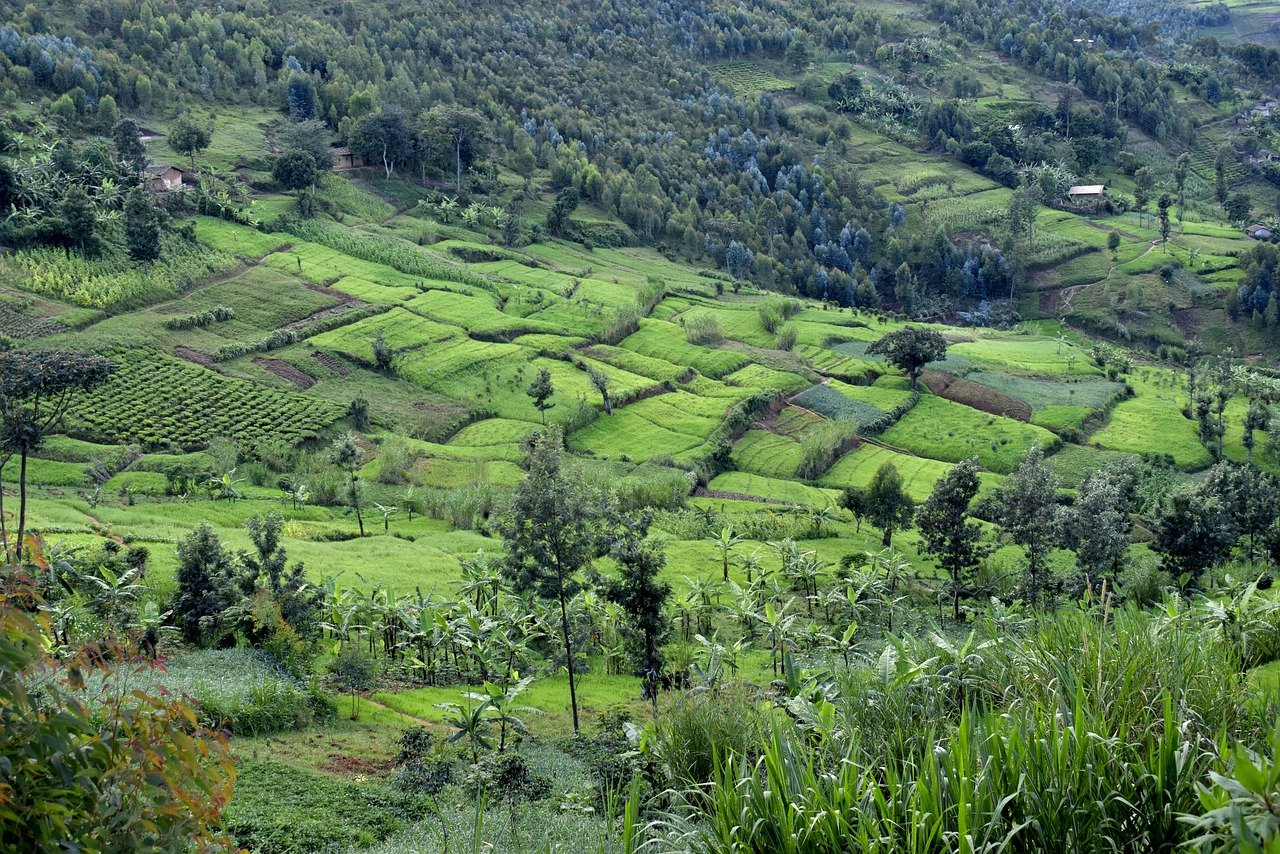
(154, 400)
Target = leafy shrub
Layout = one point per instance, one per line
(787, 336)
(703, 329)
(218, 314)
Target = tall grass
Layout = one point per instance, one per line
(1088, 730)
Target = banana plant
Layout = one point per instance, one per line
(502, 706)
(470, 722)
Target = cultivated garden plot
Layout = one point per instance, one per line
(154, 401)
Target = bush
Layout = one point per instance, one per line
(203, 319)
(787, 336)
(703, 329)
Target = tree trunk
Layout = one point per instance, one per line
(22, 502)
(568, 656)
(457, 165)
(886, 539)
(4, 525)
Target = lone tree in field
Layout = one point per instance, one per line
(295, 170)
(461, 129)
(947, 529)
(189, 137)
(888, 507)
(910, 349)
(601, 381)
(36, 389)
(346, 454)
(1029, 512)
(643, 598)
(552, 534)
(540, 391)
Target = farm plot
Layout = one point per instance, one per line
(661, 340)
(667, 425)
(263, 299)
(760, 377)
(747, 78)
(376, 283)
(400, 330)
(919, 475)
(112, 279)
(769, 454)
(494, 433)
(1054, 405)
(773, 489)
(797, 423)
(943, 430)
(154, 400)
(835, 362)
(479, 315)
(1027, 355)
(829, 403)
(628, 360)
(235, 239)
(1152, 422)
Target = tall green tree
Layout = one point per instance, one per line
(347, 455)
(552, 533)
(460, 129)
(189, 137)
(205, 587)
(141, 227)
(295, 170)
(888, 507)
(384, 137)
(76, 210)
(1098, 527)
(910, 349)
(36, 389)
(127, 139)
(1192, 533)
(540, 392)
(1143, 183)
(947, 530)
(642, 597)
(1028, 513)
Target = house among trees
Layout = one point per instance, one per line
(344, 159)
(1259, 232)
(165, 177)
(1088, 195)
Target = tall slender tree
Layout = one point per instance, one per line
(553, 532)
(642, 596)
(36, 389)
(1028, 513)
(947, 530)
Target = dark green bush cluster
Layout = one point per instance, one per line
(205, 318)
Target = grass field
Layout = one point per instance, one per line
(943, 430)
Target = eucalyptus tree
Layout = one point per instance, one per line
(947, 530)
(553, 532)
(642, 596)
